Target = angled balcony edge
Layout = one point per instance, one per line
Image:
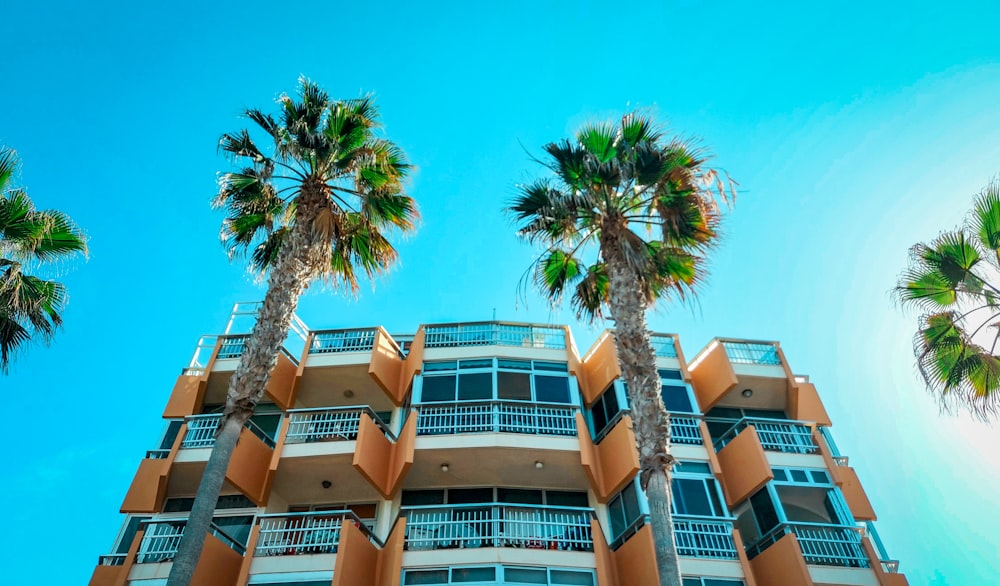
(218, 564)
(607, 573)
(283, 382)
(805, 404)
(148, 490)
(360, 562)
(250, 466)
(884, 578)
(712, 376)
(381, 462)
(782, 564)
(386, 367)
(102, 577)
(412, 364)
(744, 466)
(635, 560)
(741, 555)
(600, 367)
(603, 463)
(855, 495)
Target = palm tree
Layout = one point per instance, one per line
(318, 201)
(30, 239)
(955, 282)
(624, 222)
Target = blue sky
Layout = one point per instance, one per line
(854, 131)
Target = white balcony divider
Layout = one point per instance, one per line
(334, 341)
(498, 525)
(663, 345)
(704, 538)
(684, 429)
(752, 352)
(496, 417)
(790, 437)
(494, 334)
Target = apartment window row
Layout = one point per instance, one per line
(689, 581)
(499, 574)
(676, 394)
(465, 496)
(487, 379)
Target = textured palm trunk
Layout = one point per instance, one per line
(295, 266)
(651, 420)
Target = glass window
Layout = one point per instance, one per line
(551, 389)
(438, 388)
(413, 578)
(128, 534)
(691, 497)
(671, 374)
(555, 366)
(416, 498)
(475, 387)
(435, 366)
(518, 495)
(763, 511)
(480, 363)
(574, 578)
(459, 575)
(514, 364)
(624, 510)
(470, 495)
(514, 386)
(565, 498)
(525, 576)
(676, 399)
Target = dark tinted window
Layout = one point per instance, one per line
(676, 399)
(475, 387)
(415, 498)
(514, 386)
(560, 498)
(438, 388)
(521, 496)
(691, 498)
(551, 389)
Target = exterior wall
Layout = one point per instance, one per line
(383, 463)
(607, 575)
(611, 464)
(712, 376)
(884, 578)
(741, 554)
(281, 385)
(249, 466)
(413, 363)
(386, 367)
(804, 404)
(601, 368)
(218, 564)
(782, 564)
(635, 560)
(744, 467)
(391, 556)
(854, 494)
(186, 397)
(149, 487)
(357, 561)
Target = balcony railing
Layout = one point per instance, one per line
(304, 533)
(663, 345)
(494, 334)
(775, 436)
(329, 424)
(498, 525)
(822, 545)
(232, 346)
(704, 538)
(685, 429)
(112, 559)
(160, 541)
(201, 431)
(496, 417)
(752, 352)
(334, 341)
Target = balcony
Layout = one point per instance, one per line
(685, 430)
(498, 525)
(701, 537)
(201, 430)
(304, 533)
(496, 417)
(663, 345)
(775, 436)
(161, 538)
(494, 334)
(821, 545)
(339, 341)
(752, 353)
(326, 425)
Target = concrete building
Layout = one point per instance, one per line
(495, 453)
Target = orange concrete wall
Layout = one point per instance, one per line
(712, 377)
(383, 463)
(357, 560)
(635, 560)
(611, 464)
(601, 367)
(248, 558)
(218, 565)
(391, 556)
(573, 361)
(108, 576)
(782, 564)
(744, 467)
(186, 397)
(413, 363)
(386, 367)
(248, 468)
(607, 574)
(148, 489)
(884, 578)
(281, 385)
(854, 494)
(804, 403)
(741, 554)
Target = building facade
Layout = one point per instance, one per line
(494, 453)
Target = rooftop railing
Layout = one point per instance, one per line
(496, 417)
(305, 533)
(329, 424)
(201, 431)
(752, 352)
(338, 341)
(663, 345)
(775, 436)
(159, 542)
(494, 334)
(498, 525)
(702, 537)
(822, 545)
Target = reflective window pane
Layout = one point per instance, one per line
(551, 389)
(475, 387)
(514, 386)
(438, 388)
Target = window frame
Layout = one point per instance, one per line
(533, 371)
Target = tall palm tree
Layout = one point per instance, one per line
(955, 282)
(30, 240)
(625, 221)
(317, 201)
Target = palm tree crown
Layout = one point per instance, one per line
(30, 239)
(953, 281)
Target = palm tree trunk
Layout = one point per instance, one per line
(651, 420)
(290, 276)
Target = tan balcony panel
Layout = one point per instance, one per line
(381, 460)
(363, 562)
(611, 464)
(600, 368)
(782, 564)
(744, 466)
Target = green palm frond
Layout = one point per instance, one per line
(985, 218)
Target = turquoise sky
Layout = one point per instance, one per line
(854, 131)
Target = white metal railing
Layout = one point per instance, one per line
(232, 346)
(685, 429)
(496, 417)
(494, 334)
(789, 437)
(704, 538)
(335, 341)
(201, 430)
(663, 345)
(112, 559)
(157, 454)
(822, 545)
(498, 525)
(202, 353)
(161, 538)
(752, 352)
(329, 424)
(304, 533)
